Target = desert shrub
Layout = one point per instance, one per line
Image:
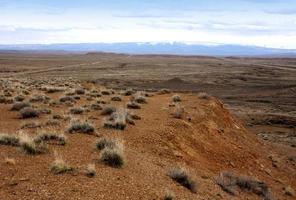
(105, 92)
(19, 105)
(19, 98)
(39, 98)
(117, 120)
(133, 105)
(44, 111)
(9, 139)
(182, 177)
(138, 98)
(178, 112)
(116, 98)
(42, 137)
(25, 92)
(81, 127)
(28, 112)
(105, 143)
(112, 156)
(176, 98)
(108, 110)
(54, 89)
(90, 170)
(76, 97)
(59, 166)
(168, 195)
(66, 99)
(128, 92)
(76, 111)
(230, 182)
(164, 91)
(80, 91)
(203, 95)
(28, 146)
(96, 106)
(52, 122)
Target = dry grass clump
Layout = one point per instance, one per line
(19, 98)
(54, 89)
(76, 111)
(178, 112)
(203, 95)
(28, 112)
(113, 157)
(164, 91)
(43, 137)
(108, 110)
(128, 92)
(9, 139)
(5, 100)
(105, 92)
(138, 98)
(28, 145)
(66, 99)
(168, 195)
(80, 91)
(90, 170)
(176, 98)
(105, 143)
(80, 127)
(39, 98)
(116, 98)
(182, 177)
(117, 120)
(59, 166)
(96, 106)
(230, 182)
(19, 105)
(133, 105)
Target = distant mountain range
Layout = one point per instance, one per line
(157, 48)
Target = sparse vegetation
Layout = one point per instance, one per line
(112, 157)
(133, 105)
(59, 166)
(47, 136)
(9, 139)
(182, 177)
(117, 120)
(80, 91)
(116, 98)
(105, 143)
(178, 112)
(168, 195)
(229, 182)
(66, 99)
(138, 98)
(176, 98)
(203, 95)
(108, 110)
(28, 112)
(76, 111)
(19, 105)
(28, 145)
(81, 127)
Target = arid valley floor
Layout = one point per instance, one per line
(110, 126)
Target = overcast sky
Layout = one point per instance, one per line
(270, 23)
